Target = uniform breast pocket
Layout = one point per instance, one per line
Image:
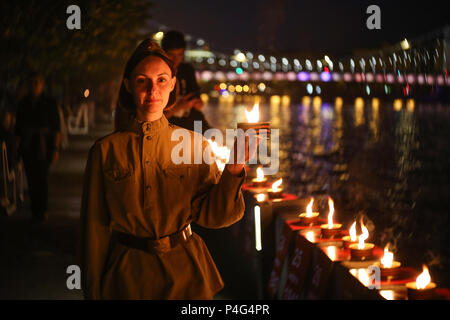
(118, 174)
(119, 182)
(178, 180)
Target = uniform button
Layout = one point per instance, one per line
(147, 162)
(149, 138)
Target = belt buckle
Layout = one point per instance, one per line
(187, 232)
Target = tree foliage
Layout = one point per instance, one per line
(33, 35)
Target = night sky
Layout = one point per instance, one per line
(283, 26)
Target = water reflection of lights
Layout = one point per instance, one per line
(398, 103)
(359, 111)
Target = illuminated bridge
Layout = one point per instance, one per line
(412, 67)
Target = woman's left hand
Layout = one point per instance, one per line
(238, 163)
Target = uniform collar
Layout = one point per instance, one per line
(148, 127)
(128, 122)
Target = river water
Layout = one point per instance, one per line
(385, 162)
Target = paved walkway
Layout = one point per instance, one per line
(34, 257)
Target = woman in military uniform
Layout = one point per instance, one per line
(137, 204)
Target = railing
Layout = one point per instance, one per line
(74, 123)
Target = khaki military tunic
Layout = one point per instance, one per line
(132, 186)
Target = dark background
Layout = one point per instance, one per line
(334, 27)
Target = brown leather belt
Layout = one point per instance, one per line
(161, 245)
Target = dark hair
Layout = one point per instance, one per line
(146, 48)
(173, 40)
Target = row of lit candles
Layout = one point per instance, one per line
(422, 287)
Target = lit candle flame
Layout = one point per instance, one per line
(330, 214)
(309, 208)
(363, 236)
(260, 197)
(331, 252)
(423, 279)
(221, 154)
(310, 236)
(259, 174)
(388, 257)
(253, 116)
(86, 93)
(353, 236)
(276, 184)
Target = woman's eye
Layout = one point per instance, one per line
(140, 80)
(162, 79)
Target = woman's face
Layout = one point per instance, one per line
(150, 84)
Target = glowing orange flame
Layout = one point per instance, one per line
(259, 174)
(309, 208)
(330, 214)
(310, 236)
(221, 154)
(276, 184)
(423, 279)
(388, 257)
(353, 236)
(253, 116)
(363, 236)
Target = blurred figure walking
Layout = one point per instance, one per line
(39, 133)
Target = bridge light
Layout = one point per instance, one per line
(245, 88)
(231, 88)
(318, 90)
(319, 65)
(158, 36)
(325, 76)
(405, 44)
(284, 61)
(238, 88)
(309, 88)
(261, 58)
(308, 64)
(223, 86)
(261, 87)
(273, 59)
(240, 57)
(233, 63)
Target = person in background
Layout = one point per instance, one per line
(188, 107)
(7, 136)
(38, 130)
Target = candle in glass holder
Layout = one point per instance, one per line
(362, 250)
(309, 217)
(388, 267)
(253, 121)
(331, 229)
(423, 288)
(352, 238)
(276, 191)
(260, 181)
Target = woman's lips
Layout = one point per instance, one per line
(151, 100)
